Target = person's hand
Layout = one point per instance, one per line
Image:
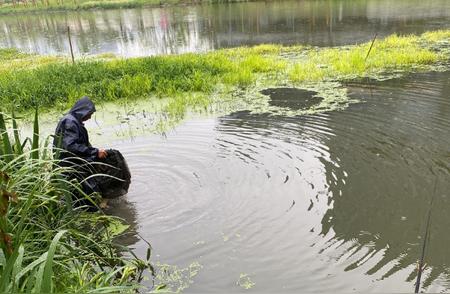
(102, 153)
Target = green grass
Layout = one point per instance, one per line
(189, 80)
(392, 53)
(46, 244)
(51, 5)
(12, 59)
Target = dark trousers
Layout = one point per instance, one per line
(80, 171)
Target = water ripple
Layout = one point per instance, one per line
(322, 203)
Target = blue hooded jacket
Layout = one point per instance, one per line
(72, 136)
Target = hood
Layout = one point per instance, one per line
(82, 107)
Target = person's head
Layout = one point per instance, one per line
(83, 109)
(87, 116)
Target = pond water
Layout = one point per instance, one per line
(197, 28)
(332, 202)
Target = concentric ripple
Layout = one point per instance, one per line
(332, 202)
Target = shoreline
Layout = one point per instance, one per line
(102, 5)
(216, 81)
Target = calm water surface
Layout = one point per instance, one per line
(146, 31)
(333, 202)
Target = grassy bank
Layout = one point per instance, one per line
(46, 244)
(24, 6)
(197, 80)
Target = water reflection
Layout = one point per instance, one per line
(137, 32)
(367, 173)
(393, 160)
(333, 202)
(126, 210)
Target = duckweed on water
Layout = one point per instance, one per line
(173, 279)
(219, 81)
(245, 282)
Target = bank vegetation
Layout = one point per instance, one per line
(32, 6)
(196, 80)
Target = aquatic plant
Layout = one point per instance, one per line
(12, 59)
(46, 244)
(392, 53)
(185, 80)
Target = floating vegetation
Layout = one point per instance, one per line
(328, 96)
(245, 282)
(219, 81)
(172, 279)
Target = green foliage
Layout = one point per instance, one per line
(392, 53)
(178, 78)
(6, 143)
(10, 54)
(35, 141)
(46, 245)
(52, 5)
(12, 59)
(62, 83)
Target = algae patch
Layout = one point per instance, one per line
(320, 96)
(245, 282)
(172, 279)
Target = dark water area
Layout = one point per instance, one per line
(332, 202)
(292, 98)
(199, 28)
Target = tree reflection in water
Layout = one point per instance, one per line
(381, 160)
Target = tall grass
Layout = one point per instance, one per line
(47, 245)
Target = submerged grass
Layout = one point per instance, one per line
(197, 80)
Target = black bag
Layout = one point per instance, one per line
(115, 166)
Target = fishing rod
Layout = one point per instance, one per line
(424, 244)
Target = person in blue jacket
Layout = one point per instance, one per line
(72, 142)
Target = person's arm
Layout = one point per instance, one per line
(71, 142)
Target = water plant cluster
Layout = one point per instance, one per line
(46, 244)
(198, 80)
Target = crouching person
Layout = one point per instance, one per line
(74, 149)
